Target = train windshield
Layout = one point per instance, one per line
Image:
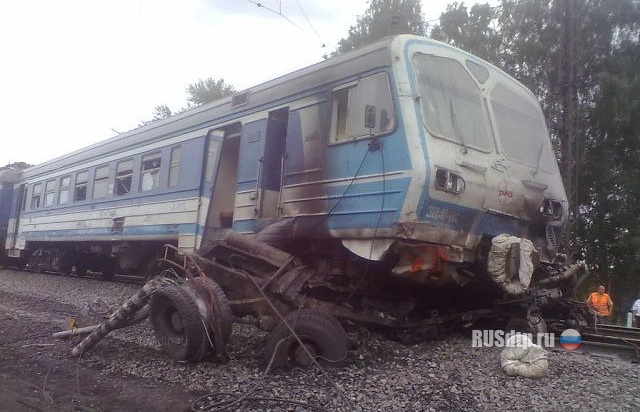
(453, 109)
(521, 128)
(452, 102)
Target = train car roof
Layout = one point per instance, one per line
(224, 110)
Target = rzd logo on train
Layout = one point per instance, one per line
(505, 195)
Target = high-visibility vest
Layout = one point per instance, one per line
(600, 302)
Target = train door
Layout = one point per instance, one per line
(268, 205)
(221, 171)
(260, 171)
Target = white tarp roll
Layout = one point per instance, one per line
(521, 357)
(497, 263)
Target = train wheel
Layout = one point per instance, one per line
(65, 269)
(322, 336)
(80, 268)
(108, 268)
(176, 322)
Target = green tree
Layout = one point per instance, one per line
(161, 112)
(473, 30)
(202, 92)
(610, 189)
(206, 91)
(384, 18)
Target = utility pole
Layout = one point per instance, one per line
(568, 125)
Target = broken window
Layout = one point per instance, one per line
(340, 111)
(101, 182)
(65, 189)
(174, 167)
(50, 192)
(36, 195)
(452, 104)
(23, 195)
(150, 177)
(348, 104)
(80, 191)
(522, 131)
(124, 174)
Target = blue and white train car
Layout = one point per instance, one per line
(111, 204)
(407, 152)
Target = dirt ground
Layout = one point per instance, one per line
(37, 372)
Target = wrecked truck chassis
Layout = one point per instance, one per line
(257, 278)
(193, 298)
(266, 283)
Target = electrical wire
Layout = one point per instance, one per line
(279, 13)
(373, 145)
(282, 15)
(309, 22)
(353, 179)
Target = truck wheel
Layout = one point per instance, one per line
(322, 336)
(176, 322)
(218, 307)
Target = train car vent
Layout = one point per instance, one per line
(239, 99)
(118, 225)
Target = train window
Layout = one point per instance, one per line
(36, 196)
(522, 131)
(65, 190)
(23, 195)
(174, 167)
(348, 108)
(481, 73)
(214, 139)
(80, 191)
(452, 105)
(124, 174)
(101, 182)
(50, 193)
(340, 108)
(150, 172)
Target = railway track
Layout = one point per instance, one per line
(123, 278)
(619, 340)
(601, 339)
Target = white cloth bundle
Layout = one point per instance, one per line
(521, 357)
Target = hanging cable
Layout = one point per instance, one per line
(374, 144)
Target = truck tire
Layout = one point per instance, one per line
(321, 334)
(176, 322)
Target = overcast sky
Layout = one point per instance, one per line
(73, 72)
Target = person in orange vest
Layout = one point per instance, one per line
(600, 302)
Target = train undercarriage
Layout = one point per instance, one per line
(79, 258)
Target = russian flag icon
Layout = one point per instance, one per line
(570, 339)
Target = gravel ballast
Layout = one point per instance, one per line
(378, 375)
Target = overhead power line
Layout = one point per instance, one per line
(279, 13)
